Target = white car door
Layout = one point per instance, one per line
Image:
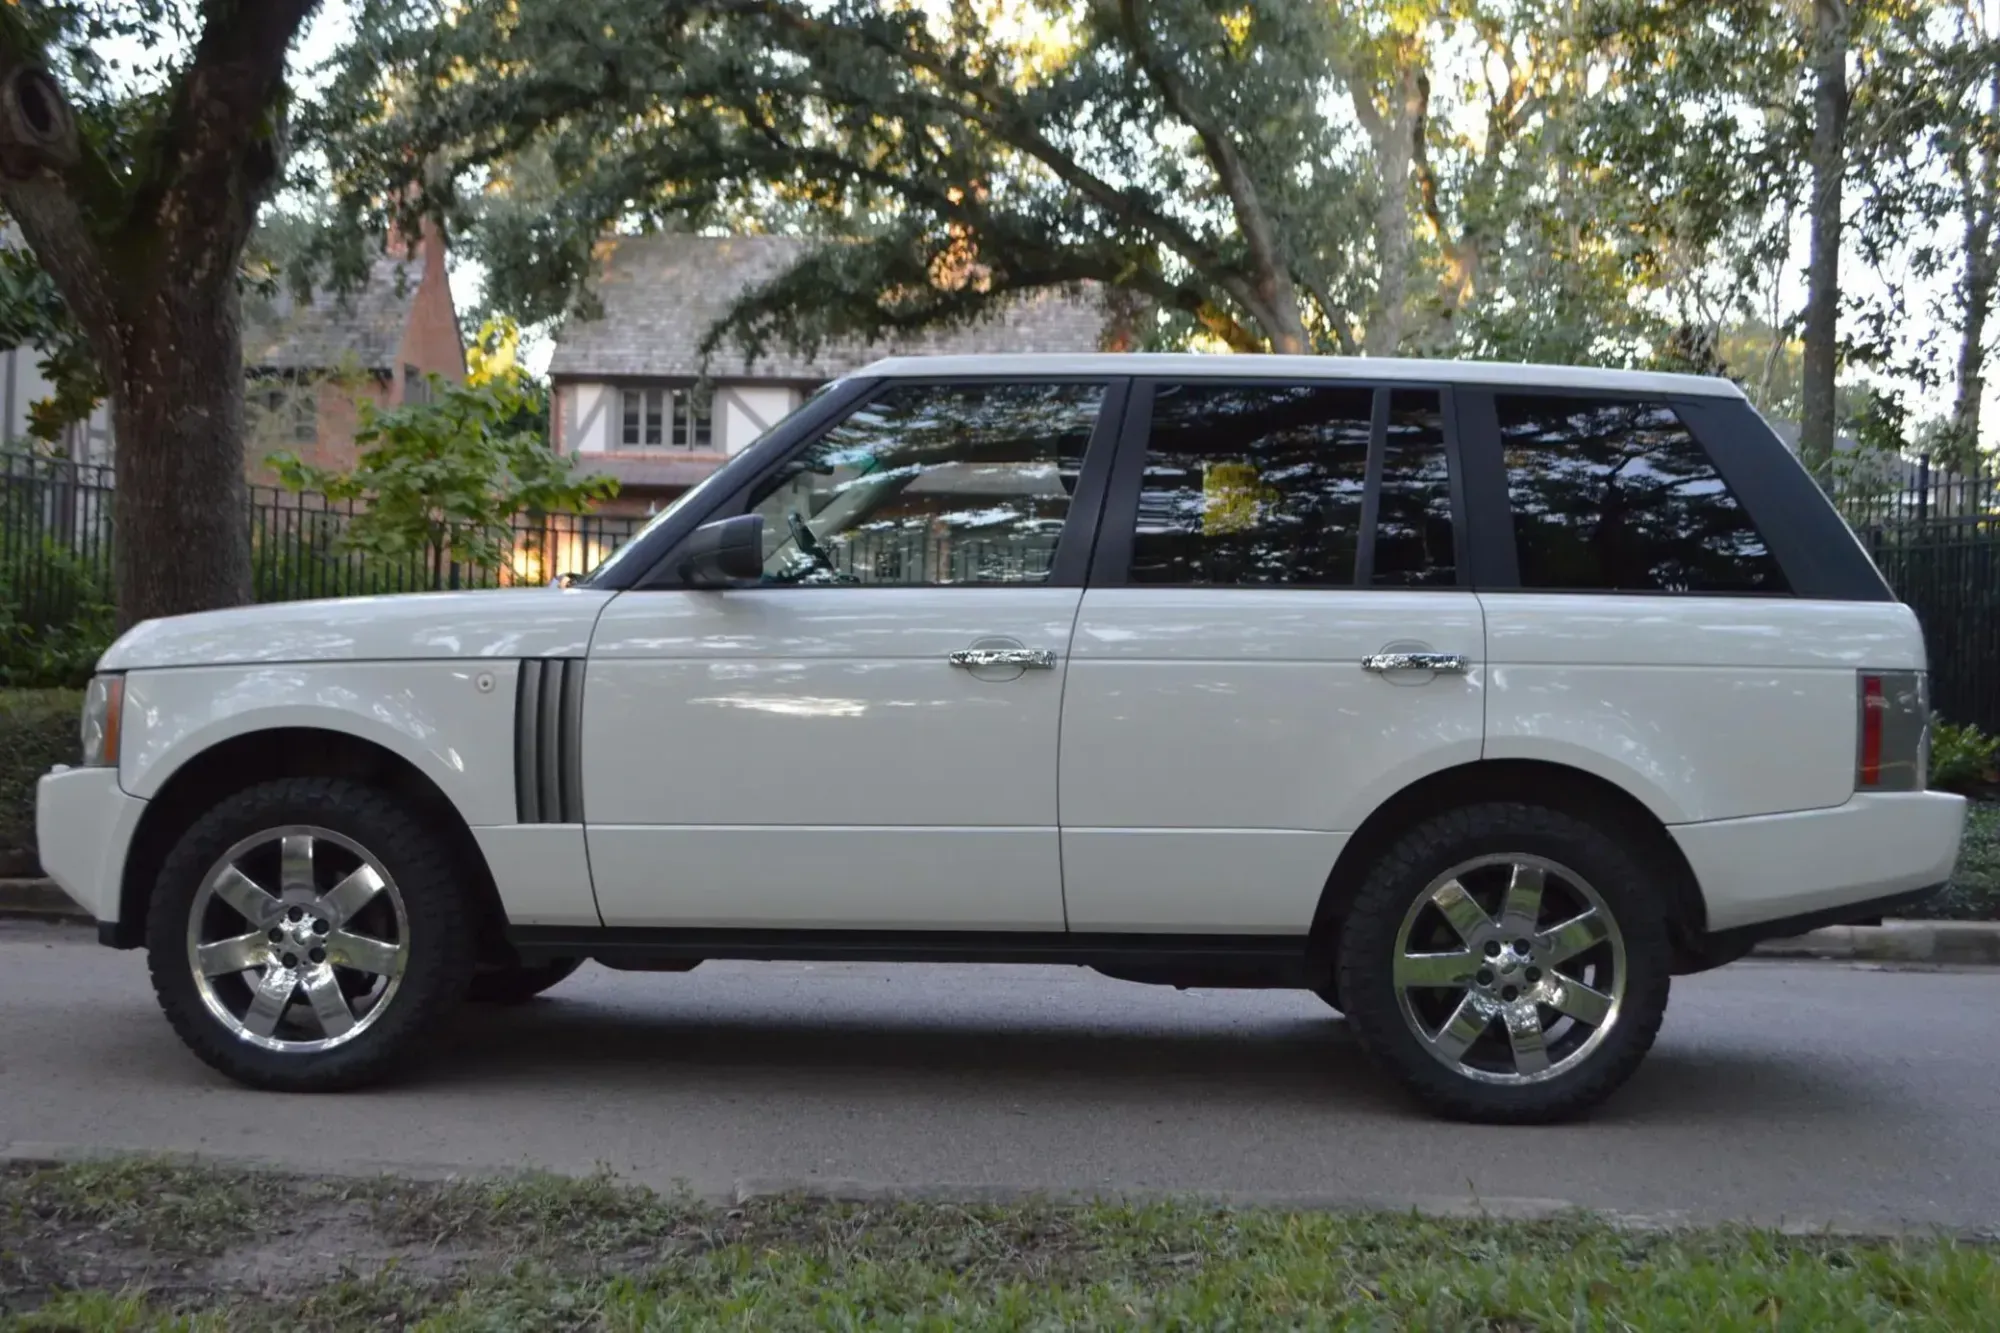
(866, 739)
(1274, 640)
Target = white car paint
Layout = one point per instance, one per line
(453, 720)
(83, 828)
(1772, 866)
(542, 873)
(1701, 707)
(510, 623)
(807, 756)
(1220, 743)
(1370, 369)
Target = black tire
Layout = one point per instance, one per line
(518, 985)
(442, 926)
(1630, 889)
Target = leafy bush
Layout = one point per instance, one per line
(1974, 891)
(1962, 757)
(56, 616)
(37, 728)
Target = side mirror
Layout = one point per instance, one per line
(716, 555)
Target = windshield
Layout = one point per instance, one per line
(719, 480)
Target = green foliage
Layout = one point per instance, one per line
(1973, 894)
(1962, 756)
(1202, 161)
(38, 728)
(445, 478)
(56, 615)
(34, 314)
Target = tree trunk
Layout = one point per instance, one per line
(1981, 263)
(181, 507)
(1982, 274)
(1817, 424)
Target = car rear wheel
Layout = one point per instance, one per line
(305, 935)
(1508, 963)
(518, 985)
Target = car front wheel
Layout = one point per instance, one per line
(307, 933)
(1507, 962)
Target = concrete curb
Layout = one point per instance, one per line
(1950, 942)
(743, 1190)
(39, 898)
(1955, 942)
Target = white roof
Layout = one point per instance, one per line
(1377, 369)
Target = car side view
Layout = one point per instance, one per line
(1478, 700)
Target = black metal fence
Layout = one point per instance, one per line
(56, 541)
(1936, 539)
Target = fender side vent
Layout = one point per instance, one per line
(548, 733)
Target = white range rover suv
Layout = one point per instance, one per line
(1479, 700)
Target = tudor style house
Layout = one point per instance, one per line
(633, 399)
(310, 364)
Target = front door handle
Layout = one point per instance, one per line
(1037, 659)
(1454, 662)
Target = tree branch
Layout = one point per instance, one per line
(205, 174)
(1334, 313)
(1127, 206)
(1277, 303)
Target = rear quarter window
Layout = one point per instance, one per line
(1618, 495)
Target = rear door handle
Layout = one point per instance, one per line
(1453, 662)
(1036, 659)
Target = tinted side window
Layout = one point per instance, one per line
(1414, 545)
(1253, 484)
(932, 484)
(1619, 495)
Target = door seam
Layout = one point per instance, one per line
(1062, 716)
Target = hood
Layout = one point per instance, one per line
(537, 622)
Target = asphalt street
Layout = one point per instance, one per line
(1780, 1092)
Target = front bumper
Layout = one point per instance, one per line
(1811, 862)
(83, 827)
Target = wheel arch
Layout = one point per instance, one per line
(1573, 790)
(253, 757)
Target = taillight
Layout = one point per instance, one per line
(1893, 753)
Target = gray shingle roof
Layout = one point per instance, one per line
(662, 293)
(363, 329)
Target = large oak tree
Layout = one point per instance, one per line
(136, 195)
(1282, 174)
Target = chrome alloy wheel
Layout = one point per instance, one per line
(1510, 969)
(323, 955)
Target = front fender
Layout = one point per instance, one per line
(453, 720)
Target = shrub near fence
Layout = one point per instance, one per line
(55, 561)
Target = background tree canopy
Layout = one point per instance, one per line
(1615, 181)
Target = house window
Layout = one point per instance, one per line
(667, 419)
(291, 406)
(416, 385)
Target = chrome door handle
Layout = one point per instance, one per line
(1455, 662)
(1038, 659)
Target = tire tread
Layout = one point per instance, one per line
(1377, 913)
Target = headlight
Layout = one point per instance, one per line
(103, 702)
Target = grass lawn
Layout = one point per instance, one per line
(146, 1245)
